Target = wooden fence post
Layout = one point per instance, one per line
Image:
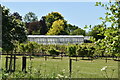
(76, 58)
(6, 64)
(24, 63)
(45, 58)
(106, 59)
(14, 62)
(61, 56)
(70, 67)
(10, 64)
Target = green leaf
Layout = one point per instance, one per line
(85, 27)
(96, 4)
(112, 17)
(99, 3)
(102, 5)
(101, 18)
(90, 26)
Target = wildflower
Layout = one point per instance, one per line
(59, 75)
(66, 77)
(6, 74)
(63, 70)
(104, 68)
(94, 42)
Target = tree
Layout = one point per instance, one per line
(96, 30)
(112, 33)
(53, 52)
(13, 30)
(44, 28)
(78, 31)
(81, 51)
(32, 47)
(58, 28)
(22, 47)
(37, 27)
(30, 17)
(74, 30)
(44, 25)
(90, 50)
(71, 28)
(33, 27)
(51, 17)
(71, 49)
(17, 15)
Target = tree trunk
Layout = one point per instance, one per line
(10, 64)
(30, 56)
(113, 57)
(82, 57)
(76, 58)
(45, 58)
(91, 59)
(14, 62)
(106, 59)
(69, 57)
(6, 65)
(61, 57)
(88, 58)
(53, 57)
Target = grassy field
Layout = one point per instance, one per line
(60, 68)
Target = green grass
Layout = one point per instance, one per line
(80, 69)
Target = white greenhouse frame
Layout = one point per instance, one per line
(56, 39)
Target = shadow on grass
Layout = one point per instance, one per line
(86, 59)
(116, 60)
(56, 58)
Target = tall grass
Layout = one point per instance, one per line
(57, 68)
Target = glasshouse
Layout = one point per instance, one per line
(56, 39)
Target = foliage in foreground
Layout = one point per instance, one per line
(83, 50)
(13, 30)
(108, 36)
(53, 68)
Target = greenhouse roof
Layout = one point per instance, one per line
(55, 36)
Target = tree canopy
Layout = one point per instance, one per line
(96, 30)
(78, 31)
(58, 28)
(17, 15)
(111, 42)
(33, 27)
(48, 25)
(71, 28)
(51, 17)
(30, 17)
(12, 30)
